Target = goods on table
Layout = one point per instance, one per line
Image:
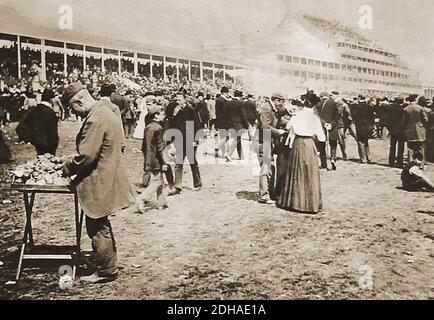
(45, 170)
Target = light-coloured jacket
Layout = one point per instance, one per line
(102, 183)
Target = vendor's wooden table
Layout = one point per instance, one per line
(29, 192)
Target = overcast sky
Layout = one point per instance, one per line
(404, 26)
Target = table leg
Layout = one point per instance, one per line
(27, 230)
(78, 227)
(32, 201)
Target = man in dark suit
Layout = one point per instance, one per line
(363, 115)
(5, 153)
(184, 118)
(201, 108)
(328, 111)
(221, 122)
(251, 112)
(395, 125)
(39, 126)
(430, 135)
(237, 123)
(415, 121)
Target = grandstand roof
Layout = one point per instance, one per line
(14, 23)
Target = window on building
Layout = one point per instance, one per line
(295, 59)
(311, 62)
(317, 76)
(296, 73)
(324, 77)
(337, 66)
(280, 57)
(304, 74)
(311, 75)
(331, 77)
(324, 64)
(303, 61)
(288, 59)
(317, 63)
(331, 65)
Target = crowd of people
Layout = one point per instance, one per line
(294, 138)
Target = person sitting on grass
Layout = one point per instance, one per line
(413, 179)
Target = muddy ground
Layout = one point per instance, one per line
(219, 243)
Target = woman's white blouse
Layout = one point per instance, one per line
(306, 124)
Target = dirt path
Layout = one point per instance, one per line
(220, 243)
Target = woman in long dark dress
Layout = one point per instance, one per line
(301, 189)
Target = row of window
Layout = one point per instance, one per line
(322, 76)
(338, 66)
(347, 56)
(309, 62)
(374, 72)
(366, 49)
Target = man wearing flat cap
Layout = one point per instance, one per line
(40, 126)
(271, 124)
(101, 181)
(153, 194)
(345, 121)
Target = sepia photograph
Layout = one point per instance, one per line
(216, 150)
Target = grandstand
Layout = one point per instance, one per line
(310, 52)
(47, 51)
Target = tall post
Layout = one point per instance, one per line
(19, 56)
(164, 68)
(65, 60)
(151, 72)
(119, 63)
(189, 70)
(84, 58)
(136, 64)
(177, 69)
(201, 71)
(102, 60)
(43, 61)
